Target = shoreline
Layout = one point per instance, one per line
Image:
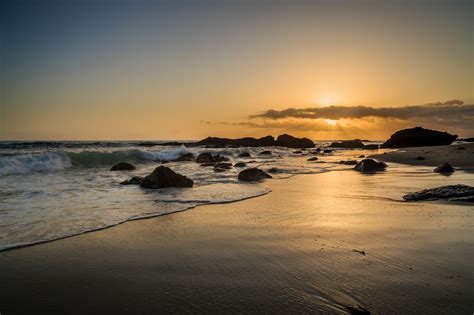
(297, 249)
(433, 156)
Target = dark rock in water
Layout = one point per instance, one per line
(348, 144)
(371, 147)
(135, 180)
(288, 141)
(146, 144)
(467, 139)
(252, 175)
(450, 192)
(208, 157)
(446, 168)
(244, 154)
(314, 158)
(362, 156)
(163, 177)
(369, 166)
(123, 166)
(418, 137)
(274, 170)
(240, 164)
(226, 166)
(328, 151)
(350, 162)
(420, 158)
(266, 153)
(174, 143)
(242, 142)
(317, 149)
(185, 157)
(357, 310)
(297, 152)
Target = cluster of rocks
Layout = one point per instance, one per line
(353, 144)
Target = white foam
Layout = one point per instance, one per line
(166, 155)
(28, 163)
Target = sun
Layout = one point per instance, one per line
(330, 122)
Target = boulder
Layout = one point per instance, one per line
(311, 159)
(348, 144)
(418, 137)
(207, 157)
(446, 168)
(450, 192)
(185, 157)
(328, 151)
(225, 166)
(252, 175)
(240, 164)
(244, 154)
(123, 166)
(370, 166)
(135, 180)
(288, 141)
(420, 158)
(163, 177)
(266, 152)
(361, 156)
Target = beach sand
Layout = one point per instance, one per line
(433, 156)
(297, 249)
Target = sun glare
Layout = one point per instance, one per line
(330, 122)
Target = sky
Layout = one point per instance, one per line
(184, 69)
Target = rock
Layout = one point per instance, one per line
(240, 164)
(297, 152)
(185, 157)
(226, 166)
(208, 157)
(420, 158)
(361, 156)
(371, 147)
(348, 144)
(314, 158)
(418, 137)
(369, 166)
(266, 152)
(123, 166)
(350, 162)
(467, 139)
(450, 192)
(328, 151)
(163, 177)
(252, 175)
(219, 170)
(244, 154)
(274, 170)
(135, 180)
(288, 141)
(446, 168)
(147, 144)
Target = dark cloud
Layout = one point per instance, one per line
(449, 112)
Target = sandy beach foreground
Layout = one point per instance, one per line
(317, 243)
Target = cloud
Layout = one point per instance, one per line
(450, 112)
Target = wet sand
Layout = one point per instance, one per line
(433, 156)
(297, 249)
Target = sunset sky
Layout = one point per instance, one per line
(190, 69)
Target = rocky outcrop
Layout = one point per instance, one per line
(252, 175)
(207, 157)
(163, 177)
(370, 166)
(123, 166)
(418, 137)
(135, 180)
(288, 141)
(450, 192)
(268, 141)
(348, 144)
(446, 168)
